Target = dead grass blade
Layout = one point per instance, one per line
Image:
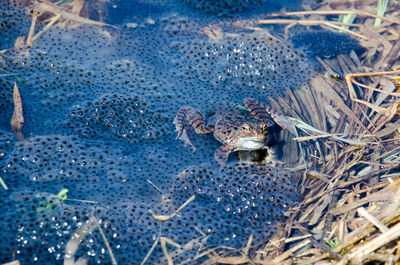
(302, 22)
(56, 10)
(163, 243)
(15, 262)
(17, 120)
(76, 7)
(285, 255)
(52, 21)
(358, 254)
(198, 243)
(213, 32)
(35, 15)
(151, 250)
(167, 217)
(228, 260)
(320, 134)
(335, 12)
(110, 252)
(337, 100)
(361, 211)
(350, 80)
(19, 43)
(248, 245)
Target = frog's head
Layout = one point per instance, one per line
(251, 136)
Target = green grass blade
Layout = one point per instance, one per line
(348, 19)
(3, 184)
(382, 5)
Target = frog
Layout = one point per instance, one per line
(235, 130)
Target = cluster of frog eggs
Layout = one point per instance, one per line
(129, 118)
(11, 25)
(42, 225)
(232, 203)
(244, 61)
(133, 76)
(91, 172)
(248, 198)
(50, 163)
(54, 86)
(51, 85)
(7, 141)
(223, 7)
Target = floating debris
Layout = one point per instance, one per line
(17, 120)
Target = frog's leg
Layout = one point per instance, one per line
(280, 119)
(267, 113)
(195, 119)
(221, 155)
(257, 110)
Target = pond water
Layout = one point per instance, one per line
(99, 104)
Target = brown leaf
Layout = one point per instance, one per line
(17, 120)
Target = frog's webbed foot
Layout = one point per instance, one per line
(221, 155)
(273, 157)
(182, 135)
(258, 110)
(195, 119)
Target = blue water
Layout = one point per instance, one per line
(99, 105)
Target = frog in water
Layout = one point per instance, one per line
(237, 131)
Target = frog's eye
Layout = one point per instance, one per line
(264, 127)
(246, 127)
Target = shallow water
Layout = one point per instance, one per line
(99, 105)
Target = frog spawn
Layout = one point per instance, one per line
(91, 172)
(240, 200)
(11, 24)
(248, 62)
(41, 225)
(117, 116)
(223, 7)
(61, 80)
(51, 85)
